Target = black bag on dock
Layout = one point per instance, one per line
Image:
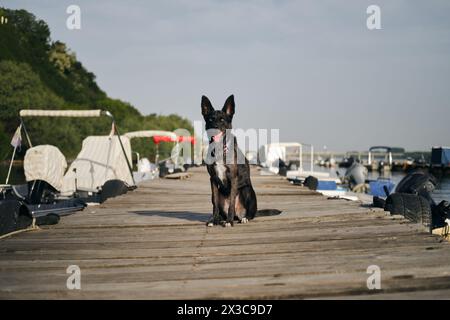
(311, 183)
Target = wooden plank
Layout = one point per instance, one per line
(444, 233)
(152, 243)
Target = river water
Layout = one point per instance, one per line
(442, 191)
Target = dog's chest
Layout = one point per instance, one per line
(221, 171)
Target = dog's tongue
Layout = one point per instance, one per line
(218, 136)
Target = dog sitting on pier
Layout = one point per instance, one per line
(233, 197)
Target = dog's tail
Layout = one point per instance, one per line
(267, 212)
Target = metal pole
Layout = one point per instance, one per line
(26, 133)
(157, 154)
(138, 156)
(10, 165)
(301, 158)
(123, 150)
(14, 153)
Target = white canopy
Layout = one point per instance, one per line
(47, 163)
(100, 159)
(149, 134)
(271, 153)
(61, 113)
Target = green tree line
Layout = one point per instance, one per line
(38, 73)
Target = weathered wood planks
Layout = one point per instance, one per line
(152, 243)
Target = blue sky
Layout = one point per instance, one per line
(310, 68)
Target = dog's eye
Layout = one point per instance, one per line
(222, 120)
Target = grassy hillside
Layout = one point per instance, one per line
(36, 72)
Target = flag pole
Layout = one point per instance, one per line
(10, 165)
(16, 144)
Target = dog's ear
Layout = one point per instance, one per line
(206, 106)
(228, 107)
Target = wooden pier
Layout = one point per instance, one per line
(152, 243)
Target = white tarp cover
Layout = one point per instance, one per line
(275, 151)
(47, 163)
(100, 159)
(149, 134)
(60, 113)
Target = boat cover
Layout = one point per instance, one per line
(60, 113)
(101, 159)
(47, 163)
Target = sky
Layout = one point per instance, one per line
(311, 69)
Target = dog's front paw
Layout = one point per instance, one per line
(227, 224)
(213, 221)
(244, 220)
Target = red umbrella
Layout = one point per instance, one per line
(158, 139)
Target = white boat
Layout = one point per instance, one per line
(292, 155)
(102, 162)
(100, 171)
(301, 174)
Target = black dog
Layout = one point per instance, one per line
(233, 196)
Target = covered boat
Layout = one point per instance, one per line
(102, 161)
(51, 191)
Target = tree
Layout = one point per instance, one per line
(21, 88)
(38, 73)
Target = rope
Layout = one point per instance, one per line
(360, 188)
(446, 229)
(124, 153)
(30, 228)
